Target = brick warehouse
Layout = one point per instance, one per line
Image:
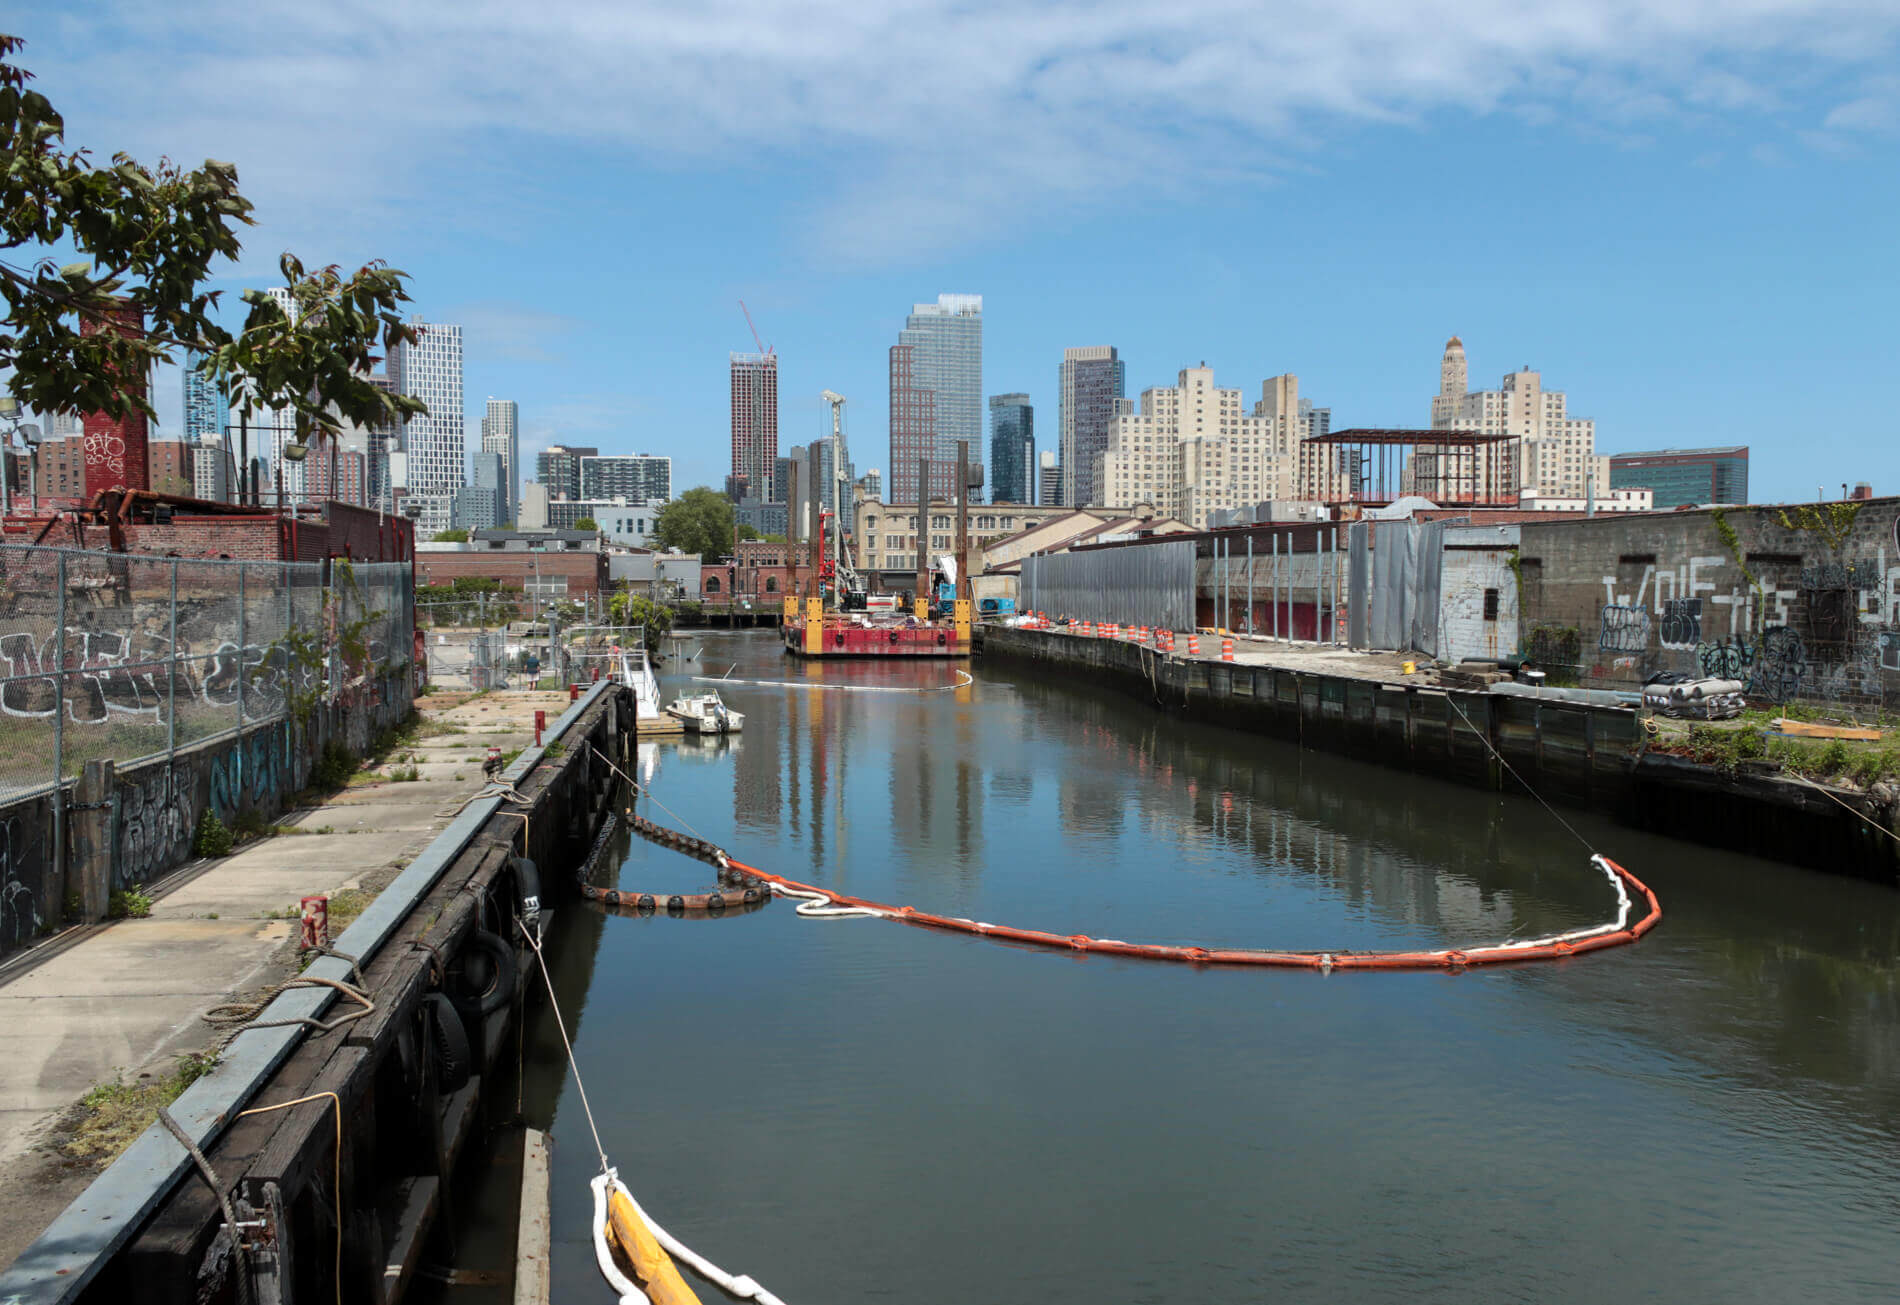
(573, 575)
(168, 526)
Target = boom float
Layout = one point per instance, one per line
(1551, 947)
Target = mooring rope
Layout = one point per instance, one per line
(607, 1183)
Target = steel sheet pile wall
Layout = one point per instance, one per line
(1151, 585)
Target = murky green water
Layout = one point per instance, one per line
(859, 1111)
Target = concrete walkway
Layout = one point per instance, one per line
(127, 998)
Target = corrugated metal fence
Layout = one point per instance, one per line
(1148, 585)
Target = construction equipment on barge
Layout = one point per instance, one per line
(829, 616)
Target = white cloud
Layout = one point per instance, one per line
(938, 121)
(509, 332)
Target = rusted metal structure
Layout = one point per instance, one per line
(1371, 467)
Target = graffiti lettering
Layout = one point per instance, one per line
(155, 823)
(1624, 629)
(1726, 659)
(1780, 666)
(1681, 622)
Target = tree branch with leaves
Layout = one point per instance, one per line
(148, 240)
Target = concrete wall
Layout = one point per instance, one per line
(1477, 603)
(127, 827)
(1805, 603)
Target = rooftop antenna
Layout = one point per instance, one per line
(755, 330)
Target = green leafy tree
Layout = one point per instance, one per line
(698, 521)
(148, 239)
(587, 523)
(451, 537)
(629, 608)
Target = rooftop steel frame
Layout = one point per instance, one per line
(1449, 467)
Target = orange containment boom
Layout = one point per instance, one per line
(1613, 933)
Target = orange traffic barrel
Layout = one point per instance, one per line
(1226, 650)
(1194, 644)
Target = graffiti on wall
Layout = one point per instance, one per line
(20, 919)
(1623, 629)
(111, 674)
(1790, 625)
(156, 820)
(1681, 622)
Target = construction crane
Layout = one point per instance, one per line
(850, 586)
(764, 351)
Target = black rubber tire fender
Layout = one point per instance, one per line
(448, 1043)
(500, 985)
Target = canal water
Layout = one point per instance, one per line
(859, 1111)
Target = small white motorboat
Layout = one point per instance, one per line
(704, 713)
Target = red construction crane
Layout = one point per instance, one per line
(755, 330)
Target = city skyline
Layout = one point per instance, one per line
(1727, 271)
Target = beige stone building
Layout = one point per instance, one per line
(1195, 449)
(888, 534)
(1558, 451)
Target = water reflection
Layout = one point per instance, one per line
(1707, 1112)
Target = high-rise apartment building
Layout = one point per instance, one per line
(437, 444)
(1049, 480)
(1092, 382)
(936, 393)
(754, 423)
(1012, 449)
(1556, 451)
(1683, 477)
(559, 468)
(1193, 450)
(211, 470)
(207, 411)
(637, 477)
(501, 434)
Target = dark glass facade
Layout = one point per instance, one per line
(1012, 449)
(1685, 477)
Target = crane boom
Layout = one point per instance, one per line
(755, 330)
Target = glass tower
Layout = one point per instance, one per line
(1012, 449)
(936, 393)
(1091, 383)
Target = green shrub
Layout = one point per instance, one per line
(211, 838)
(333, 768)
(129, 904)
(250, 823)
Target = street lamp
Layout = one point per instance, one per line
(15, 423)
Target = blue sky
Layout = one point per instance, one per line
(1684, 212)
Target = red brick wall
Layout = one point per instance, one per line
(116, 446)
(586, 572)
(365, 535)
(251, 539)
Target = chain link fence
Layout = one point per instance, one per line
(112, 655)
